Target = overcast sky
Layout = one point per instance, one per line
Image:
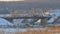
(11, 0)
(42, 1)
(57, 1)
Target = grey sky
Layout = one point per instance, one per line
(49, 1)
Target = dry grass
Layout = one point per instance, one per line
(48, 31)
(52, 30)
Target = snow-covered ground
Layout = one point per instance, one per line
(4, 22)
(12, 30)
(54, 14)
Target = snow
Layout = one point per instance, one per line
(4, 22)
(54, 14)
(39, 21)
(13, 30)
(51, 20)
(17, 21)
